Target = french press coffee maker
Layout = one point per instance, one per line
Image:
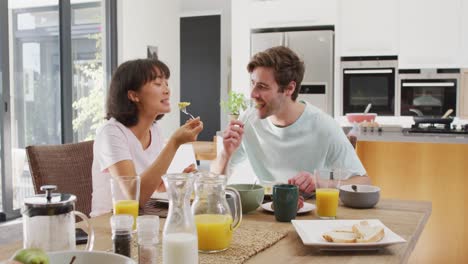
(49, 221)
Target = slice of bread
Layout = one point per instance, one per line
(340, 237)
(367, 233)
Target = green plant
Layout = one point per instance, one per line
(90, 107)
(235, 103)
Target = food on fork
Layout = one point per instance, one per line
(358, 233)
(183, 104)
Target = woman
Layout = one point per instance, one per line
(130, 142)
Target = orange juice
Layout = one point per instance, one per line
(214, 231)
(127, 207)
(327, 202)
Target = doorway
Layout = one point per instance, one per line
(200, 71)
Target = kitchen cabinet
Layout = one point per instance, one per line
(464, 34)
(430, 33)
(368, 27)
(463, 94)
(433, 172)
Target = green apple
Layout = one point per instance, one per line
(32, 256)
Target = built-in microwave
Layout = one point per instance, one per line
(428, 92)
(370, 79)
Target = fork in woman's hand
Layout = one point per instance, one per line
(184, 110)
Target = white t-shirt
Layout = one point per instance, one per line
(115, 142)
(313, 141)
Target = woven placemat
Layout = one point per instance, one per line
(249, 239)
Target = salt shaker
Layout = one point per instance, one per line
(148, 232)
(122, 234)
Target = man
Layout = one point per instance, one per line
(285, 139)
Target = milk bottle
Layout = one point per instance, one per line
(180, 241)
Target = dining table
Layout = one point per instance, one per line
(405, 218)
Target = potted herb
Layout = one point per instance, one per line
(234, 105)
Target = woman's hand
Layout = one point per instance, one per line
(190, 168)
(188, 132)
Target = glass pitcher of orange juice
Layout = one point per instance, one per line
(213, 216)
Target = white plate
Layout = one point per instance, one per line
(308, 207)
(162, 196)
(311, 232)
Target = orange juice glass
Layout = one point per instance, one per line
(327, 183)
(327, 202)
(127, 207)
(125, 195)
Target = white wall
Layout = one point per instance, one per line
(240, 55)
(153, 22)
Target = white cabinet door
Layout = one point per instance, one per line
(430, 33)
(368, 27)
(464, 34)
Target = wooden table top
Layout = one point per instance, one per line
(406, 218)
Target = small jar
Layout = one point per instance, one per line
(148, 239)
(122, 234)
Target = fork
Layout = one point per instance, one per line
(184, 110)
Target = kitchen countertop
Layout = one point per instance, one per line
(393, 131)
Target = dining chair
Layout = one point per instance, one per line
(68, 166)
(353, 140)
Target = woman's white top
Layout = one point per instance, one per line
(115, 142)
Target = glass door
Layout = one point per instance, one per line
(431, 97)
(364, 86)
(35, 95)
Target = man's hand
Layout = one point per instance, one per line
(232, 136)
(305, 182)
(300, 202)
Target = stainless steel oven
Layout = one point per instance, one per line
(428, 92)
(370, 79)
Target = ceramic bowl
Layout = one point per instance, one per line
(87, 257)
(360, 117)
(366, 196)
(251, 196)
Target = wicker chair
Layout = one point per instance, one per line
(68, 166)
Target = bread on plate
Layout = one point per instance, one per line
(358, 233)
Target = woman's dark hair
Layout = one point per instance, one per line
(131, 76)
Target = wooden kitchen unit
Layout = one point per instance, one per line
(435, 172)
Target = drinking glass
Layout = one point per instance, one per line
(126, 195)
(327, 184)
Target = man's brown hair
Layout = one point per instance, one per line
(286, 65)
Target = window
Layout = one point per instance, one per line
(41, 33)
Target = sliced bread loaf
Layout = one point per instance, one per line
(340, 237)
(367, 233)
